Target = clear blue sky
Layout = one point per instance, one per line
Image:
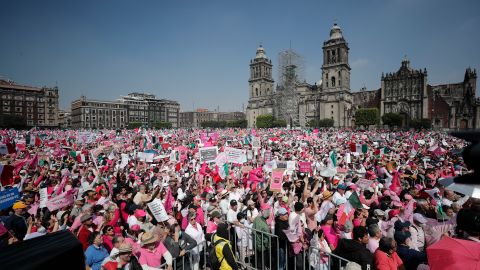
(197, 52)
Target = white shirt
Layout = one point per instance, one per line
(338, 198)
(132, 220)
(196, 234)
(224, 205)
(232, 215)
(322, 213)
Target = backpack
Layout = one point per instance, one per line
(214, 262)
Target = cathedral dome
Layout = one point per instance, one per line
(261, 52)
(336, 32)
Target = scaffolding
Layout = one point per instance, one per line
(291, 73)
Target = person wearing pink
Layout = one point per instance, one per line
(331, 234)
(107, 237)
(213, 222)
(152, 251)
(386, 257)
(310, 212)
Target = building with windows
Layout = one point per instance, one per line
(37, 106)
(132, 108)
(90, 113)
(194, 119)
(64, 119)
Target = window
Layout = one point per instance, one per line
(18, 109)
(256, 91)
(333, 81)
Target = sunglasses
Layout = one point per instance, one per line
(110, 229)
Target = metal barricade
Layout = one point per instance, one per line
(192, 260)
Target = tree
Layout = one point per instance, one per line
(279, 123)
(134, 125)
(237, 123)
(392, 119)
(213, 124)
(423, 123)
(161, 125)
(321, 123)
(265, 121)
(367, 116)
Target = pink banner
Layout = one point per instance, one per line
(277, 178)
(60, 201)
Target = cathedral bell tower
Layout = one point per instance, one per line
(260, 87)
(335, 68)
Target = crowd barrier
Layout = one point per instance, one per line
(255, 249)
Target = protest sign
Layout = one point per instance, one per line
(249, 155)
(277, 177)
(305, 166)
(291, 166)
(282, 164)
(43, 197)
(208, 154)
(60, 201)
(268, 156)
(235, 155)
(124, 161)
(246, 169)
(8, 197)
(158, 210)
(85, 137)
(147, 157)
(364, 183)
(256, 142)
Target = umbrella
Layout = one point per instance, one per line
(450, 253)
(467, 188)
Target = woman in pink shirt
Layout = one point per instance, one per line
(310, 212)
(152, 251)
(330, 233)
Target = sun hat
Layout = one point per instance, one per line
(148, 238)
(215, 214)
(124, 248)
(85, 217)
(379, 212)
(135, 228)
(327, 194)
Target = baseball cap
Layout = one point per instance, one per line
(19, 205)
(282, 211)
(233, 202)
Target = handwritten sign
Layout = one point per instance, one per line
(208, 154)
(305, 166)
(268, 156)
(235, 155)
(43, 197)
(158, 210)
(60, 201)
(364, 183)
(256, 142)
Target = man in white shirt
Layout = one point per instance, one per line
(232, 213)
(339, 197)
(417, 232)
(224, 201)
(298, 207)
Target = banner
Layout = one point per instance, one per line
(8, 197)
(304, 166)
(277, 178)
(124, 161)
(291, 166)
(364, 183)
(268, 156)
(158, 210)
(235, 155)
(60, 201)
(282, 164)
(208, 154)
(147, 157)
(85, 137)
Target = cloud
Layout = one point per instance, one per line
(360, 63)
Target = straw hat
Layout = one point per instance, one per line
(327, 194)
(124, 248)
(148, 238)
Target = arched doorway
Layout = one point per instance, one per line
(405, 118)
(463, 124)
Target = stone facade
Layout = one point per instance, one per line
(37, 106)
(193, 119)
(407, 92)
(329, 98)
(90, 113)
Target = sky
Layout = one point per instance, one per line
(197, 52)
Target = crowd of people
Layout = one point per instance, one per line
(150, 199)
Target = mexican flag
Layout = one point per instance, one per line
(346, 210)
(359, 148)
(223, 171)
(331, 169)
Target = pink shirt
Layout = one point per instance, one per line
(211, 227)
(330, 235)
(310, 216)
(152, 258)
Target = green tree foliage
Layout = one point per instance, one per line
(279, 123)
(134, 125)
(265, 121)
(321, 123)
(237, 124)
(367, 116)
(421, 123)
(392, 119)
(160, 125)
(12, 121)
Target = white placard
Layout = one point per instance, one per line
(147, 157)
(291, 166)
(124, 161)
(235, 155)
(43, 197)
(158, 210)
(208, 154)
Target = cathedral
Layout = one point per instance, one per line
(405, 92)
(330, 98)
